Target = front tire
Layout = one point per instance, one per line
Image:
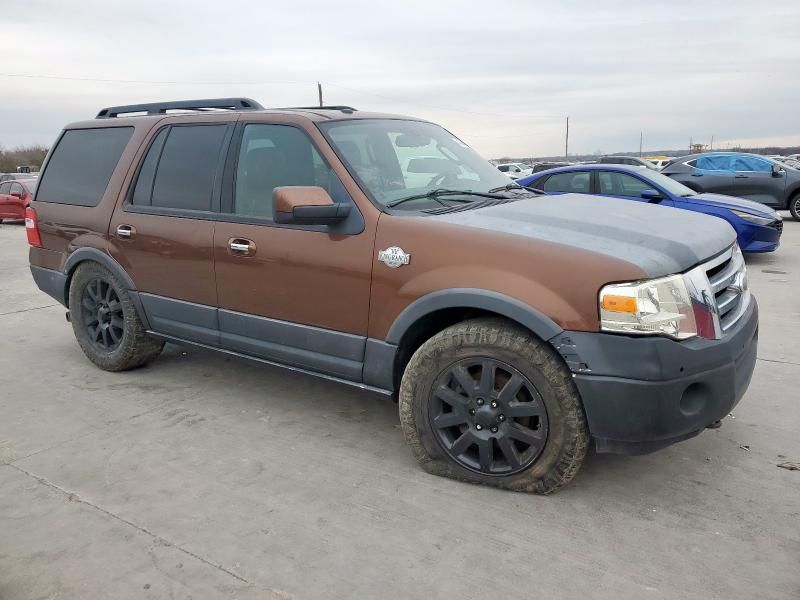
(485, 401)
(105, 321)
(794, 207)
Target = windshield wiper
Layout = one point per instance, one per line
(435, 194)
(506, 188)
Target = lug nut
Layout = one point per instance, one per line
(494, 404)
(479, 427)
(494, 429)
(472, 411)
(501, 418)
(479, 401)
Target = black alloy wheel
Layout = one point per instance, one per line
(487, 416)
(102, 315)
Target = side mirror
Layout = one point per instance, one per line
(652, 195)
(306, 205)
(777, 170)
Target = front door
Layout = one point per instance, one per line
(711, 173)
(753, 179)
(162, 232)
(298, 295)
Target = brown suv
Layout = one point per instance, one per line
(382, 252)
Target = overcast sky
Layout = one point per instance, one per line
(501, 75)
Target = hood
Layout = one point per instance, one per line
(731, 202)
(659, 240)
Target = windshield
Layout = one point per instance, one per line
(673, 187)
(395, 159)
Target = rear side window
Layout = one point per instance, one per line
(568, 182)
(180, 168)
(81, 165)
(5, 187)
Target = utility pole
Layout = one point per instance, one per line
(641, 135)
(566, 142)
(691, 145)
(711, 145)
(319, 91)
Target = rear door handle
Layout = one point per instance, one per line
(241, 247)
(741, 176)
(125, 231)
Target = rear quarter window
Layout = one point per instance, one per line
(81, 165)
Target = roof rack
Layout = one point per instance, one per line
(161, 108)
(340, 107)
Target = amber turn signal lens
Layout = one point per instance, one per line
(614, 303)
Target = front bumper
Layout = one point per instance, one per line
(641, 394)
(761, 238)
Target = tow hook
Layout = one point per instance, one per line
(68, 317)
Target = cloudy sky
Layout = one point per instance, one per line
(501, 75)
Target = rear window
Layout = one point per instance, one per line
(81, 165)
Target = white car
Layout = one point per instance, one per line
(514, 170)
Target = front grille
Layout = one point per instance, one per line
(777, 225)
(727, 279)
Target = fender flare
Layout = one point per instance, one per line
(511, 308)
(93, 254)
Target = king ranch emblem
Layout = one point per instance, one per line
(393, 257)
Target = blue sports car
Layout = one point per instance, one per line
(758, 227)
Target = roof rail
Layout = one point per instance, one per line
(161, 108)
(340, 107)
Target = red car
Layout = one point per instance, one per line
(15, 196)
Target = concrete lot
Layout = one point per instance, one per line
(205, 477)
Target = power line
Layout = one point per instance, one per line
(279, 82)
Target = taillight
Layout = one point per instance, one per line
(32, 228)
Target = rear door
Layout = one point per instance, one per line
(753, 179)
(298, 295)
(163, 230)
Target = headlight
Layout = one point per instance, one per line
(659, 306)
(753, 218)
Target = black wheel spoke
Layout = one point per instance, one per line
(524, 409)
(450, 419)
(451, 397)
(511, 389)
(464, 379)
(112, 332)
(462, 443)
(509, 452)
(488, 370)
(486, 453)
(525, 434)
(115, 306)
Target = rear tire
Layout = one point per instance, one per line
(105, 321)
(520, 427)
(794, 207)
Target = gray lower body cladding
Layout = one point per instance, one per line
(645, 393)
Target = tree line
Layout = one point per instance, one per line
(28, 156)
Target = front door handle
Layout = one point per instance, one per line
(741, 176)
(241, 247)
(125, 232)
